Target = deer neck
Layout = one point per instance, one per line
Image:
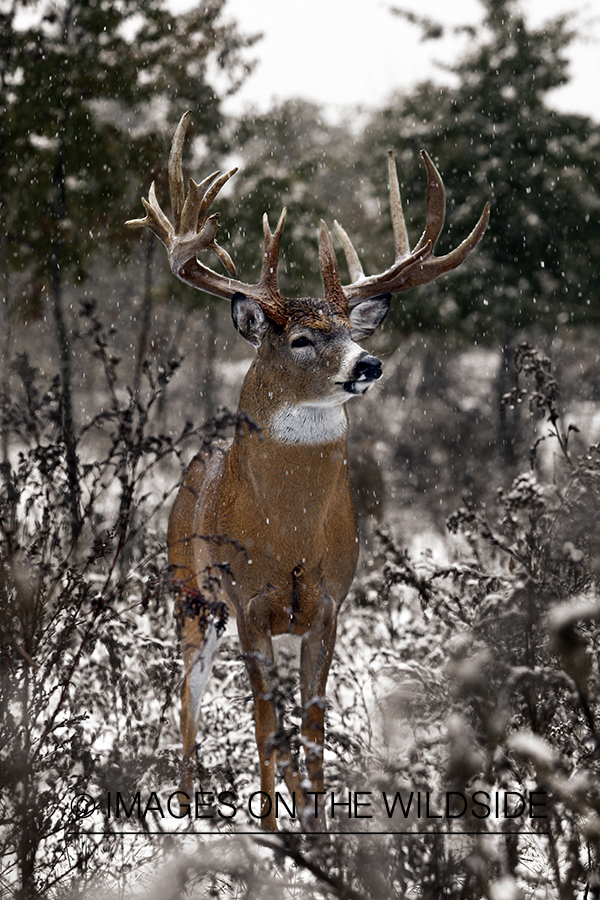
(295, 442)
(291, 423)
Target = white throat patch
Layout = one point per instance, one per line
(309, 423)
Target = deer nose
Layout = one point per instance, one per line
(368, 368)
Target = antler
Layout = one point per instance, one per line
(419, 266)
(194, 230)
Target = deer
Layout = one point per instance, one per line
(263, 527)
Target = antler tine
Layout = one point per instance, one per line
(188, 214)
(267, 289)
(329, 269)
(353, 262)
(154, 219)
(175, 168)
(268, 276)
(213, 189)
(401, 243)
(436, 204)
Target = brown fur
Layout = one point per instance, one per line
(269, 530)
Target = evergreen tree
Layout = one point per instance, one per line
(496, 136)
(89, 91)
(292, 157)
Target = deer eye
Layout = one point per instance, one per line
(300, 342)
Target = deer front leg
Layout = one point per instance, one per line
(255, 639)
(257, 647)
(315, 661)
(199, 631)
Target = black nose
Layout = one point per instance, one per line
(368, 368)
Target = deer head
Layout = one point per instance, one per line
(300, 332)
(194, 230)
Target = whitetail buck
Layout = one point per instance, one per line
(264, 524)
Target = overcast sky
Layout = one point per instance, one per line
(348, 52)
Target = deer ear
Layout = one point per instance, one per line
(365, 317)
(248, 318)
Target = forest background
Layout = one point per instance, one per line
(467, 653)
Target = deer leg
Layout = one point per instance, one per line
(315, 662)
(255, 639)
(198, 636)
(258, 657)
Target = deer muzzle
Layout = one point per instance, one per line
(367, 369)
